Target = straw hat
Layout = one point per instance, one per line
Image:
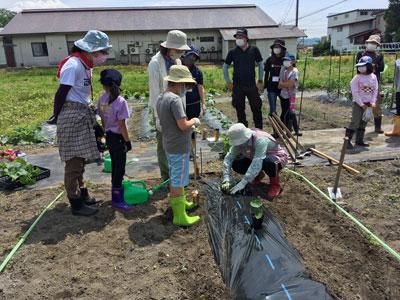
(93, 41)
(374, 39)
(180, 74)
(239, 134)
(176, 39)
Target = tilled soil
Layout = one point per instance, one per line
(136, 255)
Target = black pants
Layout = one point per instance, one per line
(271, 165)
(398, 103)
(239, 103)
(288, 116)
(117, 149)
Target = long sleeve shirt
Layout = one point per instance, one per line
(261, 146)
(364, 89)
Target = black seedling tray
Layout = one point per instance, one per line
(7, 184)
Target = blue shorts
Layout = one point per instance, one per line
(178, 165)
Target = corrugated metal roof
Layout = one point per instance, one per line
(137, 19)
(266, 32)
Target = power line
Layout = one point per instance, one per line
(317, 11)
(285, 15)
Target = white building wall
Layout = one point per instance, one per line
(56, 47)
(339, 39)
(23, 51)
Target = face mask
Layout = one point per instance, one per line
(189, 60)
(287, 63)
(182, 92)
(362, 69)
(277, 50)
(240, 42)
(99, 59)
(371, 47)
(175, 54)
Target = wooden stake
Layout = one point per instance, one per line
(339, 170)
(283, 140)
(330, 158)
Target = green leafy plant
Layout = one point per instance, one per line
(22, 135)
(136, 95)
(256, 207)
(20, 171)
(227, 144)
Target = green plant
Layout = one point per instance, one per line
(22, 135)
(136, 95)
(256, 207)
(227, 144)
(19, 170)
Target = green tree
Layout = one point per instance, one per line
(392, 31)
(322, 48)
(6, 16)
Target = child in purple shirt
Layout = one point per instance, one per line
(364, 90)
(113, 110)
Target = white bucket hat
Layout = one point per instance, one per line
(176, 39)
(93, 41)
(180, 74)
(239, 134)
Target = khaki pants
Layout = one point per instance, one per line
(162, 158)
(73, 176)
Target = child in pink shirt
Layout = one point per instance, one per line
(364, 89)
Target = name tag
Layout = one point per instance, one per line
(275, 78)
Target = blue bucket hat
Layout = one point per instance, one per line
(290, 57)
(193, 50)
(93, 41)
(364, 61)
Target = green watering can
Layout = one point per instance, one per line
(135, 191)
(107, 163)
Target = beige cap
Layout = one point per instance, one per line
(374, 39)
(239, 134)
(180, 74)
(176, 39)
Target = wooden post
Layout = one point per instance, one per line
(339, 171)
(330, 158)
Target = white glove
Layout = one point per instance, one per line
(226, 186)
(196, 122)
(240, 186)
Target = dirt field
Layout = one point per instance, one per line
(137, 255)
(315, 115)
(140, 255)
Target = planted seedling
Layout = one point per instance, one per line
(257, 213)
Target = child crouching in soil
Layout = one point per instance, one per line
(364, 89)
(176, 136)
(113, 110)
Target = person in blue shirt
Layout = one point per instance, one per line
(195, 98)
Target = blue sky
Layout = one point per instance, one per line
(282, 11)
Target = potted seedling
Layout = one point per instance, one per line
(257, 214)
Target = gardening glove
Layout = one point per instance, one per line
(226, 186)
(128, 145)
(196, 122)
(237, 188)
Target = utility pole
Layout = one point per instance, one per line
(297, 13)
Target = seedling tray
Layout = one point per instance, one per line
(7, 184)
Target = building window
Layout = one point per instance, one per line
(340, 29)
(69, 47)
(363, 13)
(346, 15)
(335, 18)
(206, 39)
(39, 49)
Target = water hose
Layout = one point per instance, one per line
(27, 233)
(156, 188)
(365, 230)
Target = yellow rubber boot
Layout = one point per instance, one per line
(396, 127)
(180, 216)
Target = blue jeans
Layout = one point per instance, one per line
(272, 96)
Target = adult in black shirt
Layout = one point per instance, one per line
(272, 68)
(244, 58)
(379, 65)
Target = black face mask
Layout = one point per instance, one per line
(189, 60)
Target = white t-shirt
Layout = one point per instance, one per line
(74, 73)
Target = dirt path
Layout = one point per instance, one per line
(137, 255)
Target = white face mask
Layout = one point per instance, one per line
(175, 54)
(287, 63)
(371, 46)
(362, 69)
(277, 50)
(240, 42)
